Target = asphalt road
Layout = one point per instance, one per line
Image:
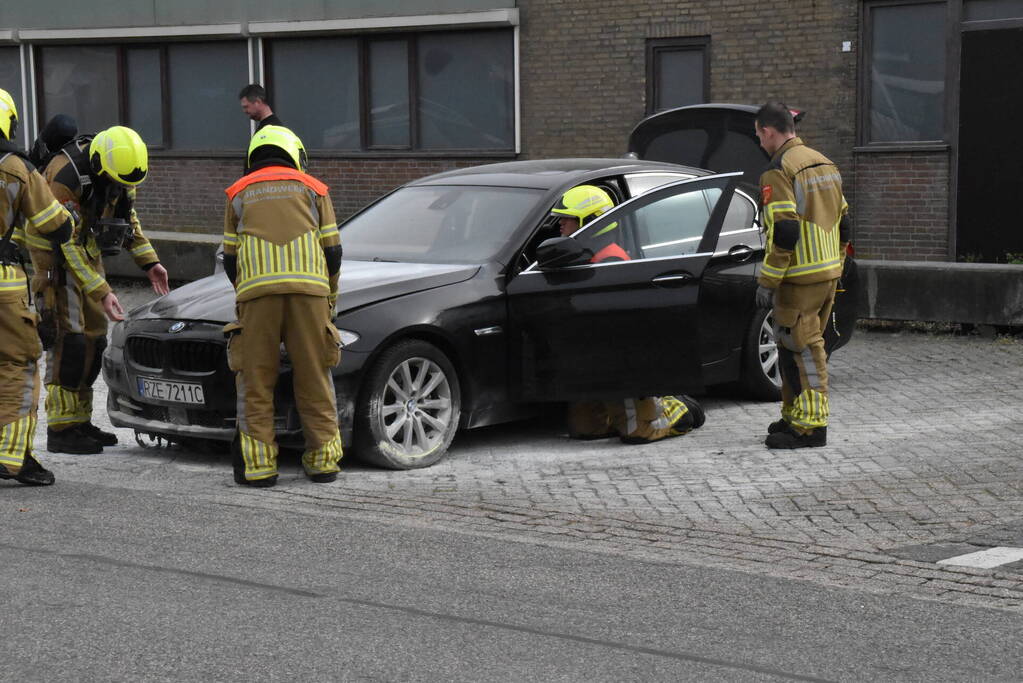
(110, 583)
(527, 556)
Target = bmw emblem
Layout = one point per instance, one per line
(176, 327)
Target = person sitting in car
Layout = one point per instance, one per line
(634, 420)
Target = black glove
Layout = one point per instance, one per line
(765, 297)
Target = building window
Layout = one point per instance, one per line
(904, 72)
(313, 86)
(677, 73)
(444, 91)
(181, 96)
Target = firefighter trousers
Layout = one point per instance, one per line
(635, 420)
(19, 383)
(302, 323)
(73, 362)
(801, 313)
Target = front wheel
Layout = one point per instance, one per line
(409, 407)
(761, 375)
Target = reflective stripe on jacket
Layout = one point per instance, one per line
(278, 222)
(803, 207)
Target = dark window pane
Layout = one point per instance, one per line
(907, 76)
(979, 10)
(388, 87)
(81, 82)
(680, 78)
(465, 90)
(204, 81)
(145, 97)
(315, 90)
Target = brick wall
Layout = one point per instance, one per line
(584, 66)
(583, 89)
(902, 207)
(188, 194)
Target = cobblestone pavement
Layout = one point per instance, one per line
(924, 448)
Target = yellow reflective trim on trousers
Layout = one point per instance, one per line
(325, 458)
(62, 406)
(260, 458)
(16, 440)
(46, 214)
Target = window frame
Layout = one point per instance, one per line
(657, 46)
(864, 143)
(411, 39)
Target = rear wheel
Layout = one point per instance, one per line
(761, 375)
(409, 407)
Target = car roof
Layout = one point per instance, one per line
(548, 174)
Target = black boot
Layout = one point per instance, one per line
(777, 426)
(97, 434)
(34, 474)
(695, 409)
(322, 477)
(790, 439)
(72, 441)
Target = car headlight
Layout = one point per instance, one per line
(119, 334)
(348, 337)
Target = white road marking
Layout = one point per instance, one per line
(986, 559)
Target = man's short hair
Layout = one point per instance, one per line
(777, 116)
(253, 92)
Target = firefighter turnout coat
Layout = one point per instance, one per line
(282, 251)
(24, 197)
(805, 218)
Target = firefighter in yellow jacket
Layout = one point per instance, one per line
(634, 420)
(805, 218)
(95, 178)
(282, 252)
(24, 196)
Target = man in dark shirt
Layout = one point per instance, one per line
(255, 106)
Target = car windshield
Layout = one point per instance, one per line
(438, 224)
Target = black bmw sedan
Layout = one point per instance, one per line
(460, 306)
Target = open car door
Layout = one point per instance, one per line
(624, 327)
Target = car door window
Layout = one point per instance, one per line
(740, 226)
(672, 225)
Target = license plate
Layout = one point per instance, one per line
(175, 392)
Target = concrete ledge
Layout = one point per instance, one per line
(978, 293)
(187, 256)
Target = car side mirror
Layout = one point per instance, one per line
(559, 252)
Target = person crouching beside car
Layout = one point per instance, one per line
(282, 253)
(634, 420)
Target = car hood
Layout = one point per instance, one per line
(362, 282)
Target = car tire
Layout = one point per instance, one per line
(761, 375)
(409, 407)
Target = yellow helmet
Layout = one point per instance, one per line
(282, 138)
(8, 115)
(584, 202)
(120, 153)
